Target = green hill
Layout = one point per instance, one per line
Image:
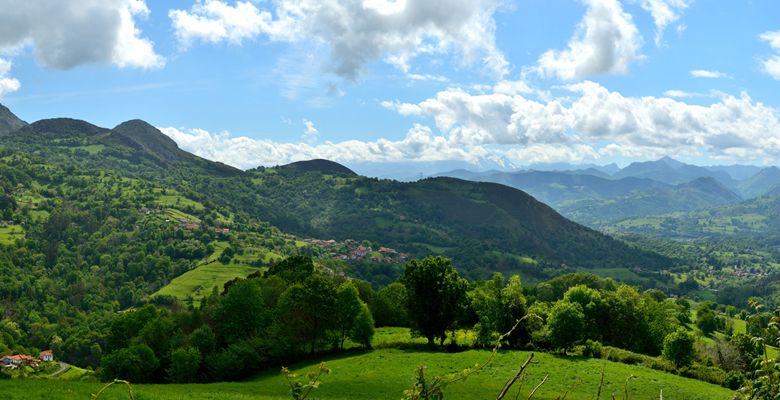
(482, 226)
(97, 220)
(757, 218)
(701, 193)
(385, 374)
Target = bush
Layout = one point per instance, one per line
(185, 363)
(592, 349)
(678, 347)
(734, 380)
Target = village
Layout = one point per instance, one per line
(352, 250)
(12, 362)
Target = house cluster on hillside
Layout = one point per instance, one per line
(24, 360)
(149, 211)
(184, 223)
(352, 250)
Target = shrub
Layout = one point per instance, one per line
(734, 380)
(592, 349)
(678, 347)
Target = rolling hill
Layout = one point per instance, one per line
(556, 187)
(96, 220)
(476, 223)
(483, 226)
(757, 218)
(672, 172)
(765, 181)
(699, 194)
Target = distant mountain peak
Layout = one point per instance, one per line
(710, 185)
(9, 122)
(64, 127)
(671, 162)
(143, 136)
(143, 130)
(318, 165)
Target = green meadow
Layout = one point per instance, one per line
(386, 373)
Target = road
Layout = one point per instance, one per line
(63, 367)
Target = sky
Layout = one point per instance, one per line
(500, 83)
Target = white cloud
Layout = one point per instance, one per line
(606, 42)
(678, 93)
(68, 33)
(310, 134)
(356, 32)
(665, 13)
(582, 122)
(681, 94)
(427, 77)
(708, 74)
(215, 21)
(243, 152)
(588, 114)
(771, 65)
(548, 153)
(7, 84)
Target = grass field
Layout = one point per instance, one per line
(11, 233)
(200, 281)
(175, 200)
(385, 373)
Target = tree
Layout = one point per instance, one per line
(241, 312)
(204, 340)
(389, 308)
(565, 324)
(363, 328)
(678, 347)
(486, 301)
(436, 295)
(293, 269)
(185, 363)
(515, 308)
(305, 311)
(136, 363)
(348, 306)
(706, 319)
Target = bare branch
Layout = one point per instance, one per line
(515, 378)
(533, 392)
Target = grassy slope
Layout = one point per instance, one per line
(384, 374)
(11, 233)
(199, 282)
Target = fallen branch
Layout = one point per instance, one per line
(515, 378)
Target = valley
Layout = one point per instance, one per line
(132, 258)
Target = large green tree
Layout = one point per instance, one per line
(348, 306)
(565, 323)
(436, 296)
(241, 312)
(305, 312)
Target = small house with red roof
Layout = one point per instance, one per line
(47, 356)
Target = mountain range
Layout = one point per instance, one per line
(484, 227)
(597, 198)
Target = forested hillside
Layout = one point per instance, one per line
(95, 220)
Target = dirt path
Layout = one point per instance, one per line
(63, 367)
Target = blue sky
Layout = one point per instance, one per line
(485, 81)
